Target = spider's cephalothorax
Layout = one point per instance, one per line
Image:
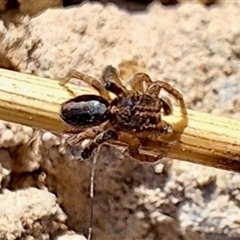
(137, 112)
(124, 118)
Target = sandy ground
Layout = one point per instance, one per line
(44, 194)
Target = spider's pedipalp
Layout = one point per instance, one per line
(167, 106)
(110, 74)
(112, 82)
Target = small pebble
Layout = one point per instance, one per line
(7, 138)
(159, 168)
(71, 236)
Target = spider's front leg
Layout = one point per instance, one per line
(97, 141)
(155, 88)
(87, 79)
(137, 83)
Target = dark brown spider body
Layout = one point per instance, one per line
(131, 118)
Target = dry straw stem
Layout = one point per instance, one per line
(34, 101)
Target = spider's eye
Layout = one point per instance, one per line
(85, 111)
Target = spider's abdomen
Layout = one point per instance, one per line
(85, 111)
(136, 112)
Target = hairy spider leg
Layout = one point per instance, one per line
(112, 82)
(87, 79)
(133, 149)
(84, 133)
(98, 140)
(89, 133)
(138, 80)
(137, 84)
(155, 88)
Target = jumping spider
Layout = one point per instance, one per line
(131, 118)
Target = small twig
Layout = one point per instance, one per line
(33, 101)
(92, 177)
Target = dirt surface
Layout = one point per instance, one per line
(195, 48)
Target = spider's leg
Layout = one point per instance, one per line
(89, 133)
(112, 82)
(73, 130)
(138, 80)
(164, 127)
(146, 158)
(155, 88)
(133, 149)
(87, 79)
(98, 140)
